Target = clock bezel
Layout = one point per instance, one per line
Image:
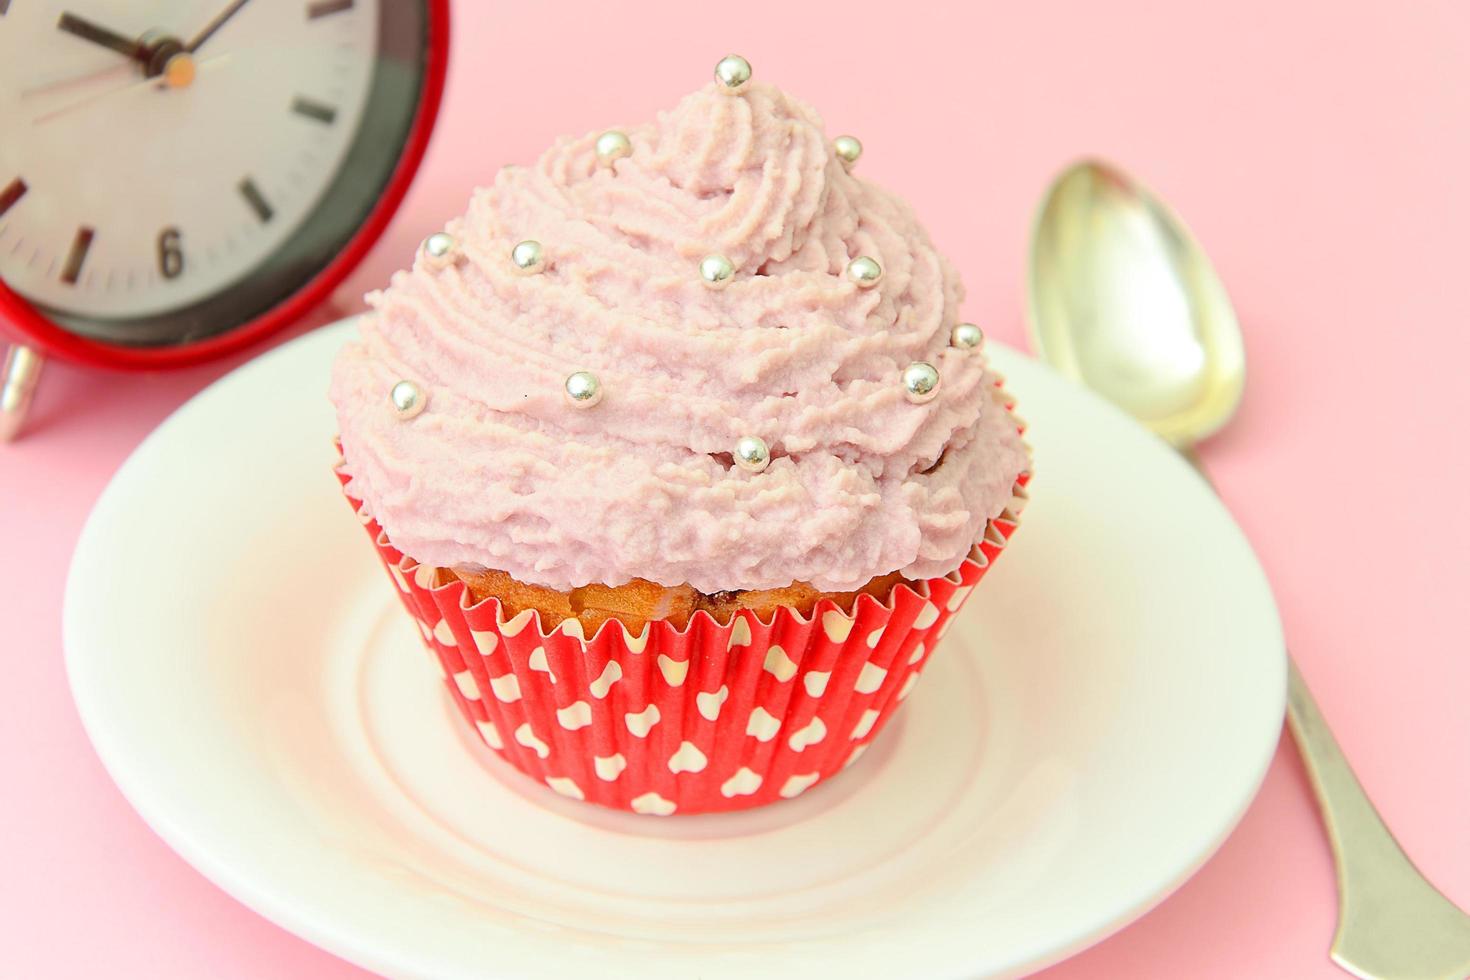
(34, 327)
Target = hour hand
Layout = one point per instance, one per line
(88, 31)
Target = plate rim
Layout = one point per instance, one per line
(385, 956)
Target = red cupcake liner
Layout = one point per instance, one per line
(707, 718)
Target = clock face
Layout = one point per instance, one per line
(171, 167)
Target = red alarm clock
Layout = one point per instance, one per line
(179, 178)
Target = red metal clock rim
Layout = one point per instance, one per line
(15, 312)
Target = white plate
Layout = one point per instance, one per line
(1093, 728)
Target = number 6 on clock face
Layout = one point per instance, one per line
(170, 254)
(170, 169)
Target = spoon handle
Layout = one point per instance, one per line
(1391, 922)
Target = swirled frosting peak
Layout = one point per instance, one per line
(501, 470)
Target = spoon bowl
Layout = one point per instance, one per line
(1123, 300)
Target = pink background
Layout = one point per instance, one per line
(1320, 155)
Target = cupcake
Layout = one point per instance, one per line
(678, 450)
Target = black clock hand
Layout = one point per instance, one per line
(88, 31)
(214, 25)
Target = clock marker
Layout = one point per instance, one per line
(16, 189)
(256, 200)
(313, 10)
(78, 254)
(313, 109)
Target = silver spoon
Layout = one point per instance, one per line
(1124, 301)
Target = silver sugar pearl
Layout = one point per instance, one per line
(528, 257)
(582, 389)
(612, 146)
(966, 336)
(733, 73)
(716, 271)
(408, 399)
(440, 249)
(848, 149)
(752, 453)
(920, 382)
(864, 271)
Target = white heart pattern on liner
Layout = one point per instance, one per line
(565, 787)
(709, 702)
(573, 628)
(485, 642)
(779, 665)
(610, 675)
(537, 661)
(444, 634)
(507, 688)
(653, 804)
(428, 633)
(424, 576)
(743, 783)
(958, 599)
(516, 623)
(637, 644)
(576, 715)
(609, 767)
(816, 682)
(813, 733)
(687, 759)
(762, 725)
(465, 681)
(918, 653)
(739, 634)
(908, 685)
(874, 637)
(799, 784)
(674, 671)
(398, 577)
(490, 734)
(640, 723)
(865, 723)
(836, 626)
(927, 616)
(528, 738)
(870, 679)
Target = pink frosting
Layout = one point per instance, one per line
(500, 472)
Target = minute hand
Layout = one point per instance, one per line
(214, 25)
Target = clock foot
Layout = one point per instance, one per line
(17, 384)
